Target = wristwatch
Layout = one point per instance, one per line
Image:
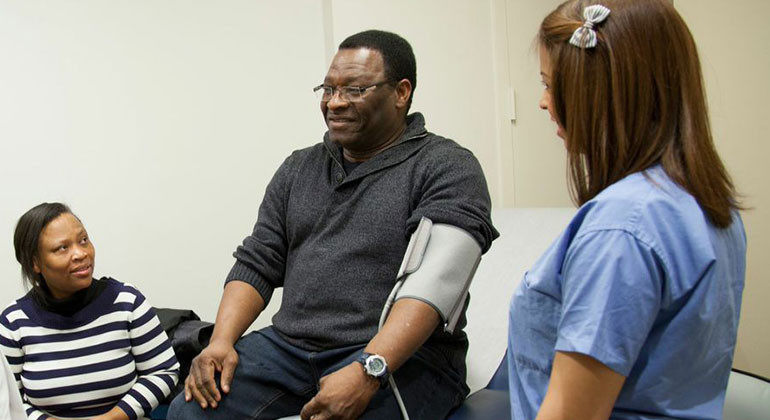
(375, 366)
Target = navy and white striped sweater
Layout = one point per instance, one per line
(111, 352)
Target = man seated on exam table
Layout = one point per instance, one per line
(333, 230)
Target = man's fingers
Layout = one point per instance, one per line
(199, 398)
(228, 371)
(205, 385)
(195, 394)
(309, 410)
(188, 388)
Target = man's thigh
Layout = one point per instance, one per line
(272, 380)
(427, 395)
(429, 391)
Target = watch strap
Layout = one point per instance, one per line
(383, 378)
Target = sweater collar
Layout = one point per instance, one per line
(410, 141)
(105, 290)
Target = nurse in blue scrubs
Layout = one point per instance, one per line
(633, 312)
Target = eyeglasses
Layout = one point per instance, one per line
(347, 93)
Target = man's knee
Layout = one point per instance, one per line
(182, 410)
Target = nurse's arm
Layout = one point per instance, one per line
(580, 388)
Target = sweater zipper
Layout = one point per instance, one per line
(334, 158)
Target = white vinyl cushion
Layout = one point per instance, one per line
(748, 398)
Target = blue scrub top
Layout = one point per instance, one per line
(641, 281)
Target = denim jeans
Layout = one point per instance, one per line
(275, 379)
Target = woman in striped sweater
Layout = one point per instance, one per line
(80, 347)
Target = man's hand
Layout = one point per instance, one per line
(219, 356)
(344, 395)
(240, 305)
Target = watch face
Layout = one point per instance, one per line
(375, 365)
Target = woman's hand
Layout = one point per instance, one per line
(116, 413)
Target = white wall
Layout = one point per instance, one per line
(159, 122)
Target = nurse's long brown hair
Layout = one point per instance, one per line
(634, 100)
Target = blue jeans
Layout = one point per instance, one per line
(276, 379)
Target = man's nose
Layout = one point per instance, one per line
(336, 101)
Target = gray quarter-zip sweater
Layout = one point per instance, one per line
(334, 241)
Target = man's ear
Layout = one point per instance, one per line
(403, 93)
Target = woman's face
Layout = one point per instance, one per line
(65, 256)
(545, 101)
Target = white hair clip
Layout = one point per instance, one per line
(585, 36)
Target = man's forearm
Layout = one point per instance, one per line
(239, 307)
(408, 326)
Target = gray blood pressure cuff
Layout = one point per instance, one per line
(438, 267)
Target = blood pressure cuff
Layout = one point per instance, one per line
(438, 267)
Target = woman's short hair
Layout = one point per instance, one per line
(634, 100)
(26, 239)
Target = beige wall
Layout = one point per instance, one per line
(539, 157)
(735, 53)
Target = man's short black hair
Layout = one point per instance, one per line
(397, 54)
